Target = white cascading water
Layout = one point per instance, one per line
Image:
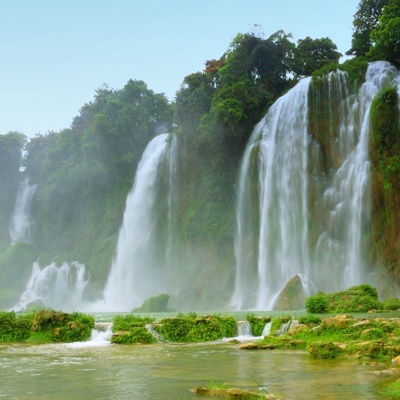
(279, 243)
(268, 254)
(134, 275)
(19, 229)
(58, 288)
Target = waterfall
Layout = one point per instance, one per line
(138, 270)
(286, 183)
(58, 288)
(278, 243)
(19, 229)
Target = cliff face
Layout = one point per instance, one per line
(385, 160)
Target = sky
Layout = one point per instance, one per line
(54, 54)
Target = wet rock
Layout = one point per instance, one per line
(292, 296)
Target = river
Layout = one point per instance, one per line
(168, 371)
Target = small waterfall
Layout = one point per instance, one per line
(243, 329)
(138, 270)
(19, 229)
(100, 336)
(304, 201)
(58, 288)
(267, 329)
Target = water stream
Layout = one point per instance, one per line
(168, 371)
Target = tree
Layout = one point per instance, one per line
(386, 34)
(365, 20)
(313, 54)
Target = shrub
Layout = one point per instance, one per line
(193, 328)
(257, 323)
(311, 320)
(391, 304)
(135, 335)
(320, 350)
(130, 321)
(317, 304)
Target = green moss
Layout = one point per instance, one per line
(257, 323)
(130, 321)
(155, 304)
(324, 350)
(317, 304)
(135, 335)
(391, 304)
(385, 155)
(193, 328)
(45, 326)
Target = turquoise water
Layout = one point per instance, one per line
(169, 371)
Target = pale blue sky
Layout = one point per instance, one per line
(55, 53)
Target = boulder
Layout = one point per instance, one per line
(292, 296)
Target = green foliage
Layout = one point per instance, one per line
(392, 390)
(279, 321)
(385, 150)
(193, 328)
(61, 327)
(391, 304)
(317, 304)
(137, 334)
(14, 328)
(365, 20)
(257, 323)
(310, 320)
(314, 54)
(386, 34)
(130, 321)
(45, 326)
(155, 304)
(324, 350)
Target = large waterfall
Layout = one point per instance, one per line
(19, 229)
(139, 269)
(286, 185)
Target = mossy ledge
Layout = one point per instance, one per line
(45, 326)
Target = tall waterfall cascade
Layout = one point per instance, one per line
(284, 187)
(139, 269)
(19, 229)
(55, 287)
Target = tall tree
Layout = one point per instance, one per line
(386, 34)
(365, 20)
(313, 54)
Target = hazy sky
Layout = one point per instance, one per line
(56, 53)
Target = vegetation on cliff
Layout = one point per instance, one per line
(83, 173)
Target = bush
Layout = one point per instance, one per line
(193, 328)
(257, 323)
(391, 304)
(130, 321)
(321, 350)
(310, 320)
(135, 335)
(317, 304)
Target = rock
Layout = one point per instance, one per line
(292, 296)
(337, 322)
(248, 346)
(119, 333)
(371, 348)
